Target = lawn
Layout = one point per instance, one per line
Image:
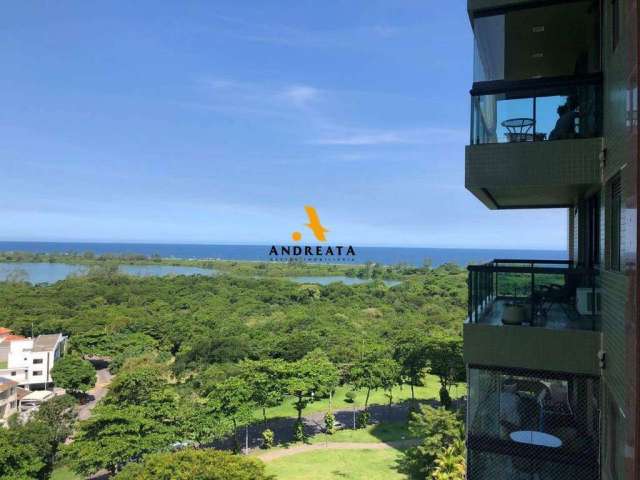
(384, 432)
(377, 397)
(338, 465)
(63, 473)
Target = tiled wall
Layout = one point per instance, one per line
(619, 128)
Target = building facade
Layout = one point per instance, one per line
(551, 347)
(8, 399)
(28, 361)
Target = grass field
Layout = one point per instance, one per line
(378, 397)
(63, 473)
(384, 432)
(338, 465)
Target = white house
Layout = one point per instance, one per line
(28, 361)
(8, 399)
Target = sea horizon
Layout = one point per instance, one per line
(260, 252)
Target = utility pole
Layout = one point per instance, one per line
(246, 440)
(354, 416)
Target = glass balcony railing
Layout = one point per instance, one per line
(535, 111)
(546, 293)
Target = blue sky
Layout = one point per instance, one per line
(217, 121)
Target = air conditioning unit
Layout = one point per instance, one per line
(586, 304)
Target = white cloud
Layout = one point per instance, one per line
(413, 136)
(300, 95)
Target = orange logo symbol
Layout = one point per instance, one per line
(314, 225)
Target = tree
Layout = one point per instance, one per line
(438, 428)
(314, 375)
(102, 343)
(195, 422)
(232, 400)
(58, 416)
(73, 374)
(37, 440)
(195, 465)
(137, 384)
(267, 381)
(18, 460)
(446, 362)
(114, 436)
(411, 353)
(375, 369)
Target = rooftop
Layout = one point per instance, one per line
(12, 338)
(46, 343)
(22, 392)
(38, 395)
(5, 384)
(5, 331)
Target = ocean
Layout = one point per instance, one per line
(382, 255)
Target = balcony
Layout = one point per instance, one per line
(534, 143)
(531, 424)
(523, 314)
(536, 104)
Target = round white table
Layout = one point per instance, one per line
(535, 438)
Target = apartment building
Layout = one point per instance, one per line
(8, 399)
(551, 346)
(28, 361)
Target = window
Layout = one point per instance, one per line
(37, 373)
(615, 23)
(593, 231)
(546, 41)
(615, 221)
(13, 374)
(37, 361)
(536, 112)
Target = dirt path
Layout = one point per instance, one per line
(304, 448)
(97, 393)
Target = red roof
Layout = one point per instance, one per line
(5, 331)
(11, 338)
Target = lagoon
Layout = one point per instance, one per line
(53, 272)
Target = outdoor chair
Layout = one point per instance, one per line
(544, 298)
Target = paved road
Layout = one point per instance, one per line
(96, 393)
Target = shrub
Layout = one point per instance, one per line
(330, 423)
(438, 430)
(268, 438)
(194, 465)
(350, 396)
(445, 398)
(363, 418)
(298, 431)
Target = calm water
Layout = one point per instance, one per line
(53, 272)
(383, 255)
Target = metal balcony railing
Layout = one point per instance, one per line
(550, 293)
